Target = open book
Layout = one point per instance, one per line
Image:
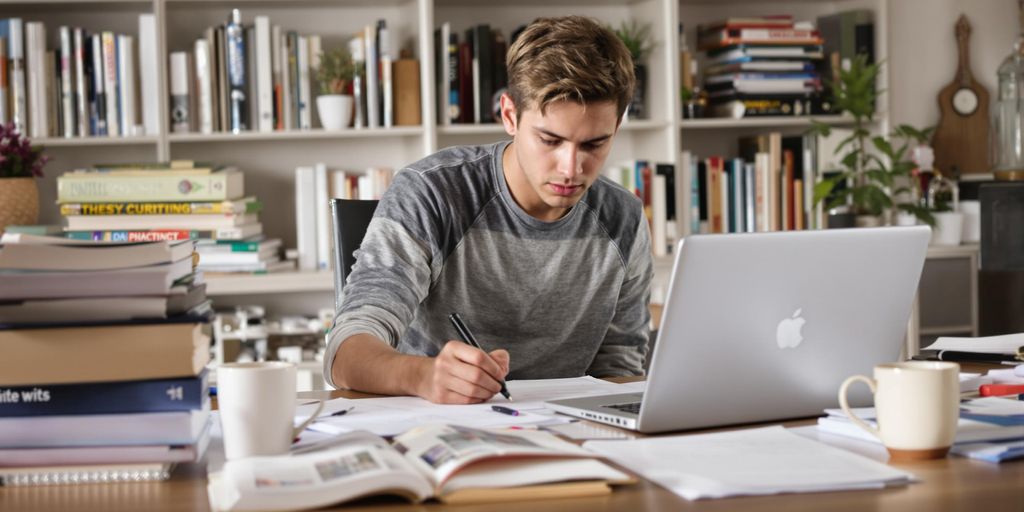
(453, 464)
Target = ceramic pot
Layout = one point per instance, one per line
(335, 111)
(19, 201)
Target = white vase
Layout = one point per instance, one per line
(335, 111)
(906, 219)
(948, 228)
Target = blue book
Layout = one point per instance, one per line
(161, 395)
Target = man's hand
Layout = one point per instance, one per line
(462, 374)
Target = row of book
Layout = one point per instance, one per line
(91, 85)
(470, 73)
(314, 186)
(103, 375)
(179, 200)
(761, 66)
(260, 77)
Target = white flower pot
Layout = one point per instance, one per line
(948, 228)
(335, 111)
(906, 219)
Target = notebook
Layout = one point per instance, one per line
(101, 473)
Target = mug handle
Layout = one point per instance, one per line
(298, 430)
(846, 405)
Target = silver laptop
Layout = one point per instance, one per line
(766, 326)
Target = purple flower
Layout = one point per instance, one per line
(18, 158)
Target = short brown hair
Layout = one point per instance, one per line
(568, 58)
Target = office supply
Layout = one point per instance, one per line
(468, 337)
(505, 410)
(1000, 389)
(994, 452)
(1007, 347)
(969, 382)
(91, 474)
(786, 339)
(759, 461)
(453, 464)
(341, 412)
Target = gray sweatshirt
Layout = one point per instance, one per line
(565, 298)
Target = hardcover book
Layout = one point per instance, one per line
(450, 463)
(93, 187)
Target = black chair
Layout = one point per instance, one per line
(351, 217)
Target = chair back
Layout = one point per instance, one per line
(350, 217)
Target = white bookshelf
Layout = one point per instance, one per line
(269, 159)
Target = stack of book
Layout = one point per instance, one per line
(179, 200)
(762, 66)
(103, 374)
(86, 85)
(469, 73)
(258, 76)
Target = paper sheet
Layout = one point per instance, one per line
(1005, 344)
(758, 461)
(395, 415)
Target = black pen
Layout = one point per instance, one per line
(471, 340)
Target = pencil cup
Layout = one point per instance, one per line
(257, 408)
(917, 407)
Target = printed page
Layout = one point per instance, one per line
(317, 478)
(445, 449)
(1005, 344)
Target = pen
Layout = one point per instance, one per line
(341, 412)
(505, 410)
(1000, 389)
(471, 340)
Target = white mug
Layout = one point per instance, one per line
(257, 408)
(917, 404)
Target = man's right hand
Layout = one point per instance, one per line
(462, 374)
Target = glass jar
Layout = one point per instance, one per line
(1008, 117)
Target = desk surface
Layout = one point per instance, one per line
(953, 483)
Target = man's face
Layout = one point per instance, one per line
(555, 157)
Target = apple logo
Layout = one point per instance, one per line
(787, 334)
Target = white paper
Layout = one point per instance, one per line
(759, 461)
(1005, 344)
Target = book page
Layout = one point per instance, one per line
(443, 450)
(519, 472)
(343, 472)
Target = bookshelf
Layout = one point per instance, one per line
(269, 159)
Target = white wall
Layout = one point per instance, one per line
(923, 51)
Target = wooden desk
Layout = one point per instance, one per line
(953, 483)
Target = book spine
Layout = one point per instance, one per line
(4, 80)
(179, 93)
(292, 86)
(264, 72)
(67, 95)
(175, 208)
(278, 88)
(153, 235)
(148, 85)
(302, 66)
(19, 101)
(214, 187)
(235, 53)
(358, 82)
(372, 77)
(165, 395)
(204, 89)
(38, 124)
(110, 83)
(323, 218)
(252, 97)
(126, 79)
(81, 90)
(98, 107)
(315, 53)
(407, 93)
(305, 217)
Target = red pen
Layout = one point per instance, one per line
(1000, 389)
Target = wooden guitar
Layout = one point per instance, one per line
(961, 138)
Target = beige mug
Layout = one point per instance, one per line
(917, 405)
(257, 408)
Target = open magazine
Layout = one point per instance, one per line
(451, 463)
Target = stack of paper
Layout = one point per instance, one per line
(759, 461)
(981, 420)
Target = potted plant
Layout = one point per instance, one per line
(334, 105)
(637, 39)
(874, 171)
(20, 164)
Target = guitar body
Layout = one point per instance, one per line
(961, 140)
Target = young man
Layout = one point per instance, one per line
(548, 263)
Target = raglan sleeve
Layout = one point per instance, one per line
(624, 348)
(394, 266)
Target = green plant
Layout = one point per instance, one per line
(18, 157)
(637, 39)
(336, 71)
(872, 166)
